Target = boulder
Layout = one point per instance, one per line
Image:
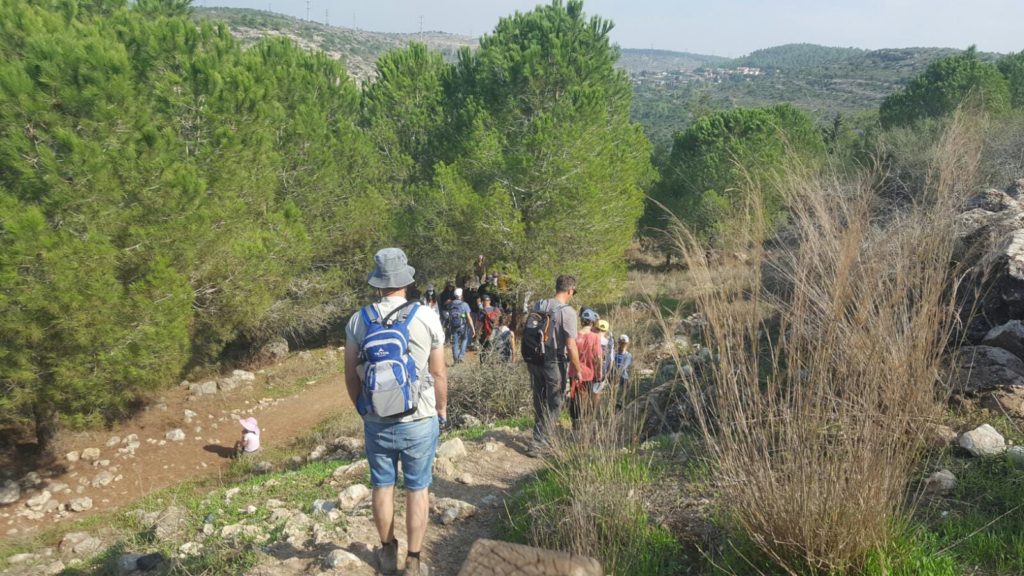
(203, 388)
(351, 447)
(176, 435)
(150, 562)
(1008, 401)
(940, 483)
(272, 352)
(91, 454)
(171, 524)
(72, 456)
(10, 492)
(1016, 190)
(80, 504)
(983, 441)
(323, 506)
(190, 549)
(241, 531)
(262, 467)
(986, 368)
(469, 421)
(1008, 336)
(342, 472)
(444, 468)
(1015, 454)
(353, 496)
(103, 478)
(127, 564)
(79, 544)
(991, 200)
(452, 449)
(38, 502)
(338, 558)
(489, 557)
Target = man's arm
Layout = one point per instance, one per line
(439, 370)
(352, 382)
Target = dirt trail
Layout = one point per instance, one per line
(288, 399)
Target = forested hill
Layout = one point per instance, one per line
(670, 88)
(822, 80)
(358, 49)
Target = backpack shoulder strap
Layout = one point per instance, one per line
(366, 312)
(402, 314)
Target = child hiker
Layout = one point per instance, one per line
(250, 441)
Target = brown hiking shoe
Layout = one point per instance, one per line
(414, 567)
(387, 559)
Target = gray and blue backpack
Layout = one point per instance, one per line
(390, 383)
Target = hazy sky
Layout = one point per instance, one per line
(723, 27)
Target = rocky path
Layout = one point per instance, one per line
(296, 528)
(468, 501)
(187, 433)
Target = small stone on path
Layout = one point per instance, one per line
(339, 558)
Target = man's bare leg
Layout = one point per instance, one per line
(384, 512)
(417, 506)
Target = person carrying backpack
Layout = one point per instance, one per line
(504, 340)
(583, 381)
(395, 375)
(549, 348)
(460, 325)
(489, 317)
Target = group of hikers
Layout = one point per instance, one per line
(396, 375)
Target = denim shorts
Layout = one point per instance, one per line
(413, 443)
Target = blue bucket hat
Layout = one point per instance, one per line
(392, 269)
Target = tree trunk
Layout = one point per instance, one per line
(46, 426)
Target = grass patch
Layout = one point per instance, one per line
(591, 503)
(982, 521)
(478, 432)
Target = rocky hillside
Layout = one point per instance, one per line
(359, 49)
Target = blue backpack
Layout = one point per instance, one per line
(456, 317)
(390, 384)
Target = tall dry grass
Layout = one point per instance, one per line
(822, 389)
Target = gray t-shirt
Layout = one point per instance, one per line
(564, 317)
(425, 334)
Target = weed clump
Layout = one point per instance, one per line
(822, 389)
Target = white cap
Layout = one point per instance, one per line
(458, 292)
(623, 338)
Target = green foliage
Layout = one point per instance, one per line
(163, 192)
(543, 117)
(794, 56)
(714, 164)
(167, 191)
(944, 86)
(1011, 67)
(626, 540)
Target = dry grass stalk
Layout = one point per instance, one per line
(821, 392)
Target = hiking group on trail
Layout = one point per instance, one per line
(396, 376)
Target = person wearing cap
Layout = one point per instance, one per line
(623, 361)
(460, 325)
(410, 438)
(250, 441)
